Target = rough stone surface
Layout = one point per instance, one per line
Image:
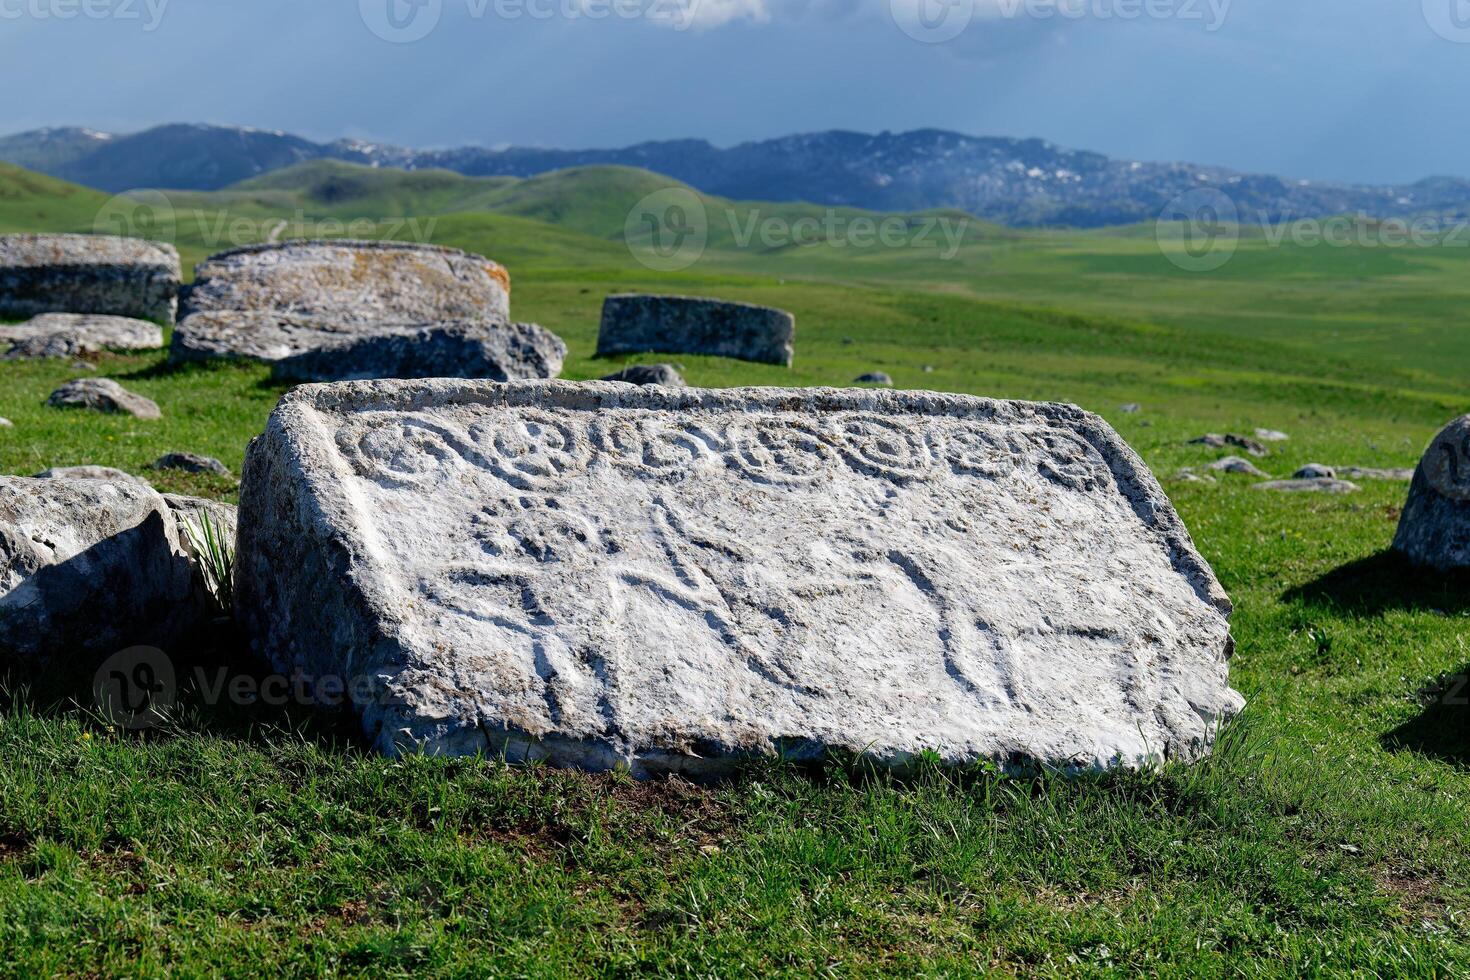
(191, 463)
(87, 274)
(1369, 473)
(634, 323)
(90, 473)
(661, 578)
(1236, 464)
(1316, 484)
(103, 395)
(75, 334)
(649, 374)
(1315, 471)
(353, 282)
(875, 378)
(493, 351)
(87, 567)
(1434, 528)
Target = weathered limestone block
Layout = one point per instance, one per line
(493, 351)
(87, 567)
(668, 579)
(87, 274)
(76, 334)
(632, 324)
(353, 282)
(1434, 528)
(90, 472)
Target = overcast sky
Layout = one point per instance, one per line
(1365, 90)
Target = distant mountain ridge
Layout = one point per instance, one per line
(1019, 182)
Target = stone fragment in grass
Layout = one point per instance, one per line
(636, 323)
(1237, 464)
(1271, 435)
(1370, 473)
(103, 395)
(670, 579)
(87, 567)
(1315, 484)
(1315, 471)
(76, 334)
(106, 274)
(1434, 529)
(880, 378)
(6, 423)
(1217, 441)
(191, 463)
(649, 374)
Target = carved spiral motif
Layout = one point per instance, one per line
(984, 451)
(785, 453)
(654, 446)
(401, 451)
(532, 450)
(887, 446)
(1447, 462)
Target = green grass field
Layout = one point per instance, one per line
(1329, 834)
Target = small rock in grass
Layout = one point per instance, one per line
(648, 374)
(1271, 435)
(875, 378)
(1217, 441)
(1369, 473)
(191, 463)
(1434, 528)
(1236, 464)
(1132, 408)
(90, 473)
(103, 395)
(1315, 471)
(1188, 475)
(5, 423)
(1313, 485)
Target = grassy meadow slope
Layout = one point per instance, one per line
(1328, 834)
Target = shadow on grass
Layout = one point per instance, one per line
(216, 688)
(1442, 729)
(1382, 583)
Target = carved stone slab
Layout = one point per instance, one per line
(669, 578)
(632, 324)
(87, 274)
(1434, 528)
(353, 282)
